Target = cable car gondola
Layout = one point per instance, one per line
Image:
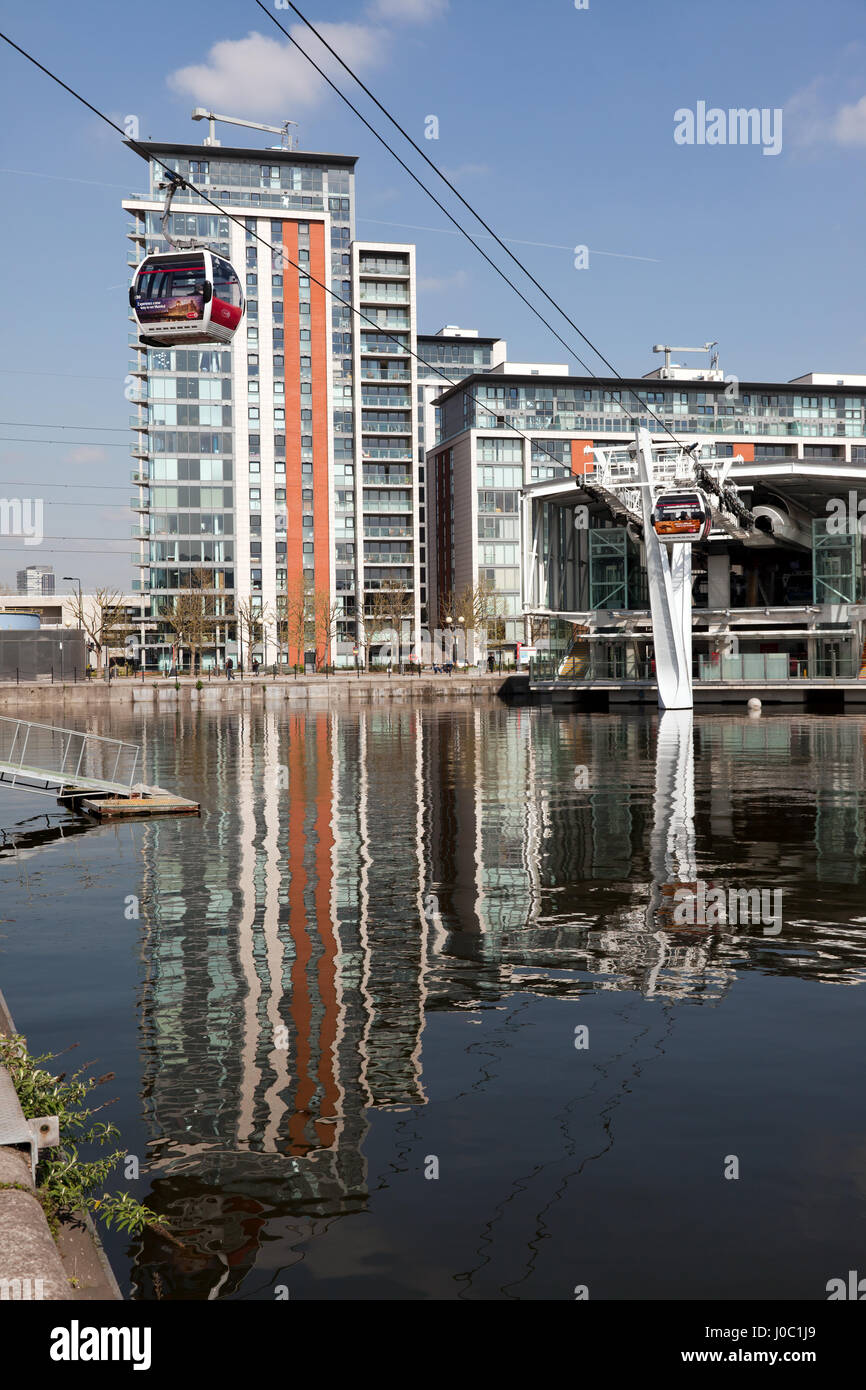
(187, 295)
(682, 517)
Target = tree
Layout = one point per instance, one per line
(193, 616)
(300, 618)
(103, 620)
(475, 609)
(388, 607)
(251, 619)
(326, 611)
(281, 625)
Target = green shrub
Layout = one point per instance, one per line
(67, 1183)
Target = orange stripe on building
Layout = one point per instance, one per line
(292, 357)
(321, 340)
(581, 462)
(747, 450)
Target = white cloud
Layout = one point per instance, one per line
(438, 283)
(83, 453)
(407, 11)
(831, 109)
(466, 171)
(849, 127)
(261, 76)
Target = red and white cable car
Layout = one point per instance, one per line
(185, 296)
(682, 517)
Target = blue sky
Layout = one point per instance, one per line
(556, 123)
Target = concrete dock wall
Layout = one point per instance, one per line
(35, 700)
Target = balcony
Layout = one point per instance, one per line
(139, 422)
(140, 533)
(378, 508)
(403, 453)
(387, 557)
(394, 402)
(381, 300)
(391, 270)
(386, 349)
(395, 533)
(386, 479)
(137, 367)
(371, 373)
(379, 428)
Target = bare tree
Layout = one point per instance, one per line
(300, 618)
(326, 611)
(474, 609)
(281, 625)
(251, 618)
(103, 620)
(193, 616)
(389, 607)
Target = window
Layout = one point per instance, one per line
(500, 450)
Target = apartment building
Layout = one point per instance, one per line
(256, 462)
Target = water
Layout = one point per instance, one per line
(368, 960)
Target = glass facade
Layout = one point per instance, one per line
(699, 407)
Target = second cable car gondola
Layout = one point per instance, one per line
(186, 297)
(682, 517)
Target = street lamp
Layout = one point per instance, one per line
(462, 625)
(72, 579)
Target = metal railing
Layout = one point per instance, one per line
(40, 753)
(749, 668)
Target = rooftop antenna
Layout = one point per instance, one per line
(288, 139)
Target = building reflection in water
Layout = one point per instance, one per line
(355, 871)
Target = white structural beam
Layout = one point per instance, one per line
(670, 592)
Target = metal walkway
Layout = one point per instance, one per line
(65, 762)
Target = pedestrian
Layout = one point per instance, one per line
(230, 669)
(255, 666)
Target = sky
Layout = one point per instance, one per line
(557, 123)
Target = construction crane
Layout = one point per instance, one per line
(705, 347)
(287, 140)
